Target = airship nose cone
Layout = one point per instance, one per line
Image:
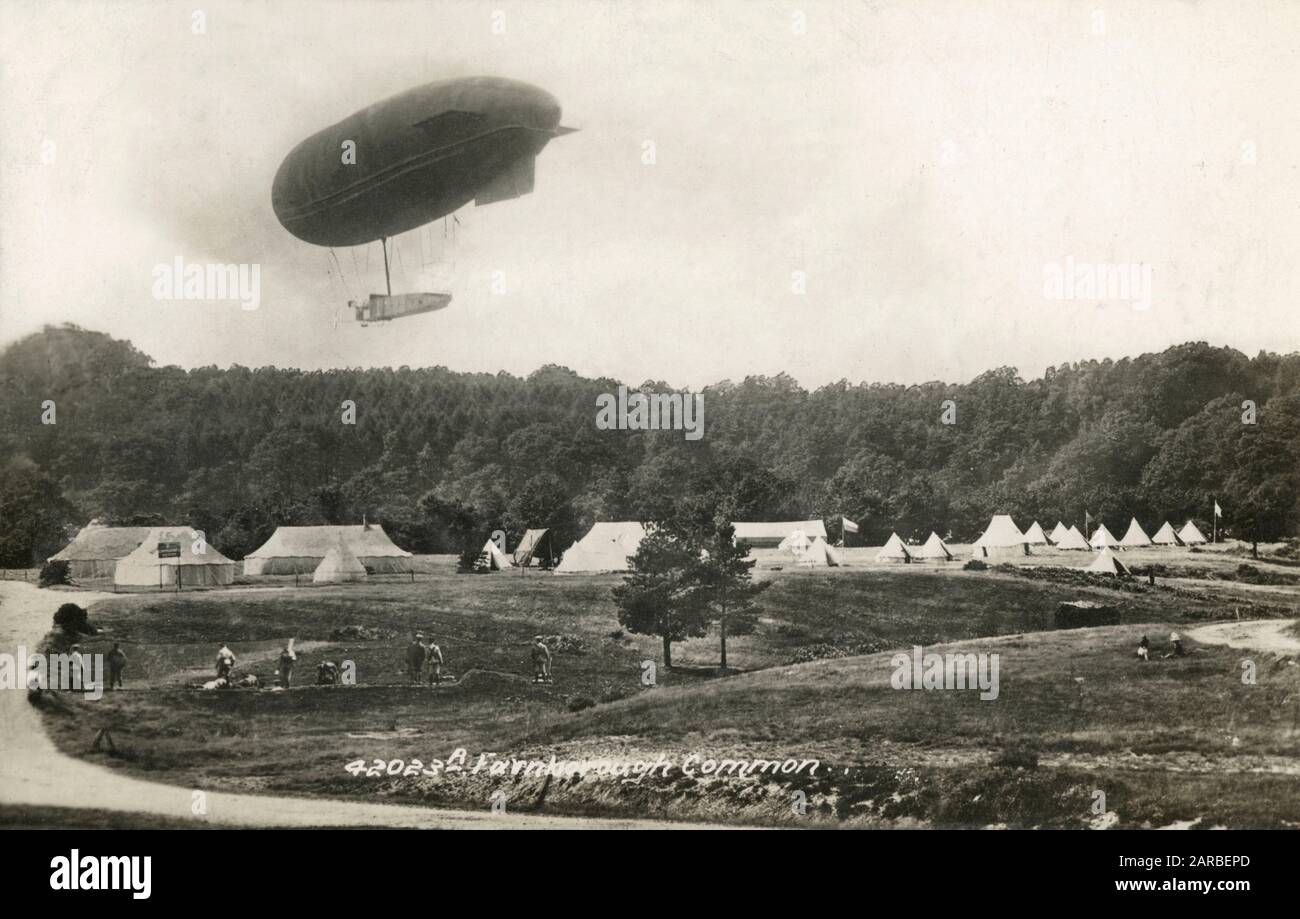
(510, 102)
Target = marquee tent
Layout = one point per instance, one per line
(1107, 563)
(95, 551)
(1101, 538)
(1001, 537)
(1165, 536)
(172, 557)
(769, 535)
(1135, 536)
(934, 550)
(300, 550)
(1190, 535)
(339, 566)
(894, 551)
(606, 547)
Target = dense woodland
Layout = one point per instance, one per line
(442, 458)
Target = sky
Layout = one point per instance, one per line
(920, 165)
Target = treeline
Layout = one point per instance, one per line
(441, 459)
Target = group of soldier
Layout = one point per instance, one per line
(424, 660)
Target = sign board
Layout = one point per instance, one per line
(169, 550)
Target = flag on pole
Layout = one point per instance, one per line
(849, 525)
(1218, 511)
(1087, 525)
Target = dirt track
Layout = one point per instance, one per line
(1267, 636)
(34, 772)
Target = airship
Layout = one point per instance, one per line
(412, 159)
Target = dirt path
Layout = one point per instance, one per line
(1268, 636)
(34, 772)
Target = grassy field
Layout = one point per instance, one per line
(1168, 740)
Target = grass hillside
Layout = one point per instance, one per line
(1077, 701)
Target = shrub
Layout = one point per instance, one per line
(54, 573)
(975, 565)
(72, 619)
(578, 703)
(1016, 756)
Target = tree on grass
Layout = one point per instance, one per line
(657, 597)
(721, 586)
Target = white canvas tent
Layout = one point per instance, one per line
(1107, 563)
(894, 551)
(934, 550)
(606, 547)
(194, 564)
(1190, 535)
(770, 534)
(533, 548)
(819, 555)
(497, 560)
(1135, 537)
(1165, 536)
(299, 550)
(1035, 535)
(1072, 539)
(1101, 538)
(1001, 537)
(796, 542)
(96, 549)
(1058, 533)
(339, 566)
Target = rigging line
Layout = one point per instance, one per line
(347, 288)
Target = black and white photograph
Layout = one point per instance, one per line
(651, 415)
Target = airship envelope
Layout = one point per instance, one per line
(419, 155)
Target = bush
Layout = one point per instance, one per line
(975, 565)
(1016, 756)
(578, 703)
(72, 619)
(471, 561)
(55, 573)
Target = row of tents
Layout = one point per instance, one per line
(180, 557)
(177, 557)
(1003, 537)
(608, 544)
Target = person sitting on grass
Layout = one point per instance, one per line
(225, 662)
(1144, 649)
(541, 656)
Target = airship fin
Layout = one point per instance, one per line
(513, 183)
(562, 130)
